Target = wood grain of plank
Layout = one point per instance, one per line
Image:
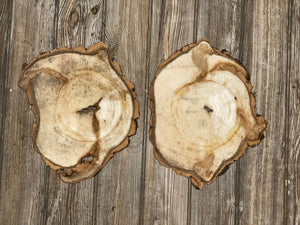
(262, 169)
(262, 187)
(119, 183)
(221, 23)
(80, 22)
(292, 177)
(5, 22)
(23, 171)
(166, 193)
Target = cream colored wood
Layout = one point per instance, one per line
(204, 112)
(83, 106)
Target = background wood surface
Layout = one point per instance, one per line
(263, 187)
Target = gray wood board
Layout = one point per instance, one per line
(262, 187)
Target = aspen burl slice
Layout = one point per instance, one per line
(85, 109)
(203, 112)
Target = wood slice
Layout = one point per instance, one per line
(85, 109)
(202, 112)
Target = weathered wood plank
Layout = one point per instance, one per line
(263, 187)
(78, 22)
(5, 22)
(23, 172)
(261, 171)
(166, 193)
(292, 177)
(119, 183)
(5, 29)
(221, 23)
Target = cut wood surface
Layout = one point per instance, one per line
(85, 109)
(202, 112)
(262, 187)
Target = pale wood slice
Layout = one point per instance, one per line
(203, 112)
(84, 107)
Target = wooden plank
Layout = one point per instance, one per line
(78, 22)
(119, 183)
(292, 176)
(221, 23)
(23, 172)
(260, 181)
(167, 195)
(5, 22)
(263, 187)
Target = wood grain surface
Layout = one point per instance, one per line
(263, 187)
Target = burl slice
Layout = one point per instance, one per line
(85, 109)
(203, 112)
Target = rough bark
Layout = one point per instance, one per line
(203, 112)
(85, 109)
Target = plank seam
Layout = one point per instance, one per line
(146, 127)
(238, 163)
(287, 118)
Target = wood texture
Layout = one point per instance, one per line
(166, 199)
(263, 187)
(224, 32)
(119, 184)
(272, 61)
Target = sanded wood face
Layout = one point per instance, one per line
(203, 112)
(84, 107)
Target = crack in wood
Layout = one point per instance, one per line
(209, 110)
(90, 108)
